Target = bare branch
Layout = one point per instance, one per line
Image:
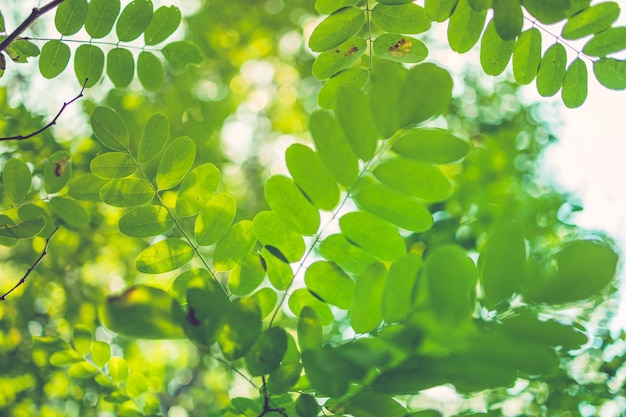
(32, 267)
(52, 123)
(37, 11)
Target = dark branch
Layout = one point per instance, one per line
(37, 11)
(52, 123)
(267, 408)
(32, 267)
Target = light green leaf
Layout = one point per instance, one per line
(329, 6)
(70, 211)
(339, 58)
(143, 312)
(552, 70)
(439, 10)
(214, 219)
(427, 92)
(176, 162)
(155, 135)
(402, 18)
(591, 20)
(309, 330)
(574, 90)
(495, 52)
(465, 26)
(336, 248)
(164, 22)
(120, 67)
(22, 49)
(548, 12)
(100, 353)
(366, 307)
(391, 2)
(247, 275)
(55, 55)
(526, 326)
(32, 211)
(313, 178)
(327, 96)
(82, 338)
(88, 64)
(611, 73)
(400, 288)
(146, 221)
(387, 81)
(336, 28)
(435, 145)
(86, 188)
(16, 179)
(606, 42)
(293, 208)
(278, 269)
(192, 278)
(400, 48)
(197, 189)
(508, 18)
(303, 298)
(165, 255)
(241, 329)
(57, 172)
(271, 230)
(150, 71)
(329, 283)
(2, 26)
(127, 192)
(63, 358)
(333, 147)
(355, 117)
(134, 20)
(395, 207)
(82, 370)
(70, 16)
(112, 165)
(136, 385)
(182, 54)
(267, 352)
(479, 5)
(266, 300)
(101, 15)
(373, 235)
(109, 128)
(527, 56)
(118, 369)
(421, 180)
(234, 245)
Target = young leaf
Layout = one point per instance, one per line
(611, 73)
(355, 117)
(101, 15)
(81, 339)
(373, 235)
(155, 135)
(606, 42)
(302, 298)
(336, 29)
(329, 283)
(165, 255)
(234, 245)
(70, 211)
(400, 48)
(508, 18)
(293, 208)
(55, 55)
(82, 370)
(214, 219)
(527, 56)
(337, 249)
(120, 67)
(70, 16)
(465, 26)
(127, 192)
(427, 92)
(310, 335)
(271, 230)
(136, 385)
(327, 96)
(495, 52)
(176, 162)
(16, 178)
(57, 172)
(24, 230)
(552, 70)
(590, 21)
(134, 20)
(267, 352)
(109, 128)
(182, 54)
(88, 64)
(146, 221)
(150, 71)
(164, 22)
(241, 329)
(399, 291)
(112, 165)
(247, 275)
(100, 353)
(401, 18)
(439, 11)
(435, 145)
(421, 180)
(197, 189)
(339, 58)
(366, 307)
(574, 90)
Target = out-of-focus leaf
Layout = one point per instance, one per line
(150, 71)
(399, 291)
(242, 327)
(366, 311)
(182, 54)
(508, 18)
(267, 352)
(86, 188)
(16, 179)
(355, 117)
(57, 172)
(112, 165)
(127, 192)
(548, 12)
(70, 211)
(303, 298)
(23, 230)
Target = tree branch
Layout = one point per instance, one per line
(32, 267)
(37, 11)
(52, 123)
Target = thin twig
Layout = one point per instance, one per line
(37, 11)
(52, 123)
(267, 408)
(32, 267)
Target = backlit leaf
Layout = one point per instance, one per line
(192, 278)
(271, 230)
(439, 11)
(81, 339)
(150, 71)
(355, 117)
(373, 235)
(23, 230)
(401, 18)
(208, 306)
(109, 128)
(495, 52)
(101, 15)
(438, 146)
(234, 245)
(387, 84)
(146, 221)
(55, 55)
(374, 404)
(118, 369)
(291, 205)
(64, 357)
(278, 269)
(214, 219)
(127, 192)
(574, 90)
(247, 275)
(399, 291)
(465, 26)
(176, 162)
(100, 353)
(241, 329)
(120, 67)
(88, 64)
(548, 11)
(309, 330)
(427, 91)
(336, 28)
(156, 132)
(527, 56)
(164, 22)
(611, 73)
(70, 16)
(284, 377)
(327, 96)
(134, 20)
(70, 211)
(266, 300)
(197, 189)
(136, 385)
(552, 70)
(508, 18)
(111, 165)
(86, 188)
(57, 172)
(165, 255)
(421, 180)
(267, 352)
(82, 370)
(302, 297)
(606, 42)
(336, 248)
(330, 283)
(16, 179)
(329, 6)
(400, 48)
(339, 58)
(182, 54)
(366, 306)
(590, 21)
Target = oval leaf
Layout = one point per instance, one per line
(438, 146)
(112, 165)
(234, 245)
(70, 211)
(508, 18)
(355, 117)
(327, 96)
(336, 248)
(134, 20)
(164, 22)
(155, 135)
(247, 275)
(101, 15)
(293, 208)
(109, 128)
(127, 192)
(176, 162)
(55, 55)
(495, 52)
(271, 230)
(552, 70)
(150, 71)
(88, 64)
(214, 219)
(197, 189)
(400, 48)
(336, 28)
(339, 58)
(267, 352)
(242, 328)
(373, 235)
(421, 180)
(182, 54)
(329, 283)
(606, 42)
(146, 221)
(16, 178)
(164, 256)
(120, 67)
(527, 56)
(70, 16)
(401, 18)
(465, 27)
(366, 307)
(591, 20)
(574, 92)
(57, 172)
(611, 73)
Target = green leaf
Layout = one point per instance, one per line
(312, 177)
(86, 188)
(127, 192)
(101, 15)
(146, 221)
(134, 20)
(495, 52)
(136, 385)
(302, 297)
(552, 70)
(118, 369)
(307, 406)
(479, 5)
(120, 67)
(439, 10)
(100, 353)
(182, 54)
(164, 22)
(88, 64)
(451, 278)
(526, 326)
(55, 55)
(333, 147)
(366, 307)
(109, 128)
(2, 26)
(427, 92)
(327, 96)
(527, 56)
(278, 269)
(310, 335)
(336, 248)
(373, 235)
(176, 162)
(606, 42)
(192, 278)
(421, 180)
(208, 307)
(70, 16)
(465, 26)
(395, 207)
(329, 283)
(242, 328)
(337, 28)
(374, 404)
(64, 358)
(32, 211)
(112, 165)
(150, 71)
(271, 230)
(267, 352)
(247, 275)
(391, 2)
(387, 84)
(82, 338)
(165, 255)
(197, 189)
(591, 20)
(70, 211)
(339, 58)
(574, 92)
(548, 12)
(293, 208)
(57, 172)
(400, 288)
(234, 245)
(611, 73)
(143, 312)
(284, 377)
(82, 370)
(16, 179)
(214, 219)
(400, 48)
(266, 300)
(155, 135)
(22, 49)
(435, 145)
(508, 18)
(329, 6)
(401, 18)
(355, 117)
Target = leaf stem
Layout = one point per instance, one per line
(91, 42)
(36, 13)
(369, 32)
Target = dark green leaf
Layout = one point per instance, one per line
(590, 21)
(150, 71)
(548, 12)
(112, 165)
(109, 128)
(24, 230)
(55, 55)
(401, 18)
(495, 52)
(355, 117)
(479, 5)
(508, 18)
(16, 179)
(58, 171)
(339, 58)
(421, 180)
(611, 73)
(366, 307)
(101, 15)
(176, 162)
(293, 208)
(606, 42)
(70, 211)
(197, 189)
(574, 90)
(32, 211)
(310, 334)
(527, 56)
(127, 192)
(285, 377)
(373, 404)
(337, 28)
(154, 138)
(552, 70)
(164, 22)
(146, 221)
(267, 352)
(234, 245)
(330, 283)
(242, 328)
(376, 236)
(182, 54)
(434, 145)
(120, 67)
(387, 84)
(400, 48)
(307, 406)
(164, 256)
(466, 25)
(208, 306)
(399, 292)
(271, 230)
(88, 64)
(134, 20)
(327, 96)
(214, 219)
